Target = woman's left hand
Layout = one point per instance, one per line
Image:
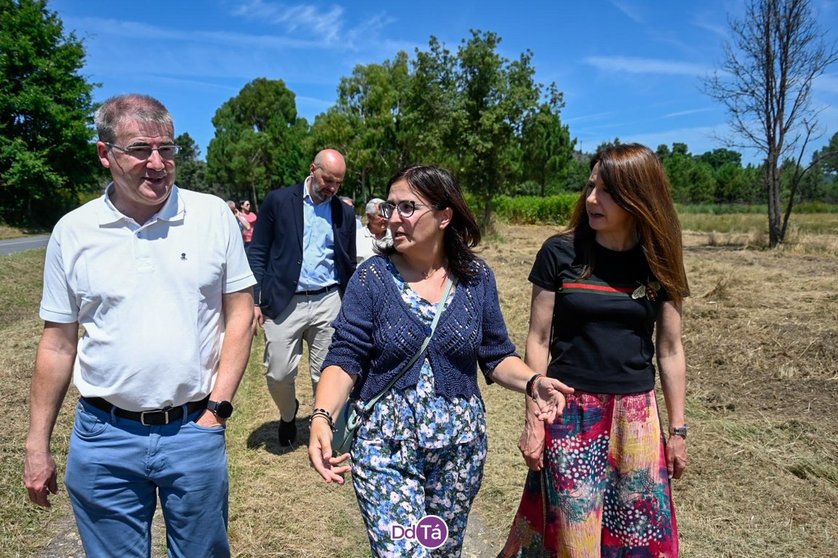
(550, 397)
(676, 456)
(320, 454)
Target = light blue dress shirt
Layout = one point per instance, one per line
(318, 268)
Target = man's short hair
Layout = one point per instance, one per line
(374, 206)
(132, 106)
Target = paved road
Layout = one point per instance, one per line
(21, 244)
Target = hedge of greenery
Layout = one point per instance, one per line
(535, 209)
(732, 208)
(556, 210)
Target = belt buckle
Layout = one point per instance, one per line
(165, 413)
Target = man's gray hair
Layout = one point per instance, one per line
(132, 106)
(374, 206)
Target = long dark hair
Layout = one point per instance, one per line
(462, 234)
(634, 176)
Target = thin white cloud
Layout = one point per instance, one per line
(629, 10)
(633, 65)
(709, 22)
(199, 84)
(589, 117)
(306, 19)
(127, 29)
(369, 28)
(688, 112)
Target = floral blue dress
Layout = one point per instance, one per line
(418, 454)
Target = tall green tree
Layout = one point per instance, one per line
(828, 156)
(46, 157)
(496, 95)
(775, 54)
(720, 157)
(820, 183)
(366, 124)
(433, 97)
(578, 171)
(692, 179)
(191, 170)
(258, 143)
(546, 143)
(732, 184)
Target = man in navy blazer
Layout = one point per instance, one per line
(302, 254)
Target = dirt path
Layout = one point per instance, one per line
(478, 541)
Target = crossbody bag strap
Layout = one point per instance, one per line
(439, 308)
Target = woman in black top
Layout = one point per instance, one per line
(599, 479)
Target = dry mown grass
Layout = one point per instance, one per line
(760, 333)
(7, 232)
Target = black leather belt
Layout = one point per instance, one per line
(148, 418)
(317, 291)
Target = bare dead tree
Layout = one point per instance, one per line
(775, 53)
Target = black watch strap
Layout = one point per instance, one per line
(679, 431)
(221, 409)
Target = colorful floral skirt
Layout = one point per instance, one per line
(604, 488)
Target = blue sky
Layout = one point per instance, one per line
(628, 69)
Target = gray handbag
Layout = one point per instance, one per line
(350, 418)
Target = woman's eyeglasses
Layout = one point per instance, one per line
(405, 208)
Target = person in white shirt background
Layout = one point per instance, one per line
(375, 235)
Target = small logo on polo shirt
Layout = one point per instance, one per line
(183, 255)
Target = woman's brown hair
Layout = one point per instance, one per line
(637, 182)
(441, 190)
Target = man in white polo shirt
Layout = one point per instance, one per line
(159, 279)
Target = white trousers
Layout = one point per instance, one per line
(306, 318)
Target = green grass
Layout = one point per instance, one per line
(752, 223)
(762, 209)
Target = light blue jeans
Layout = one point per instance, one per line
(116, 468)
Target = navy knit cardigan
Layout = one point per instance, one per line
(376, 333)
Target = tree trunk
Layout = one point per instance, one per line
(772, 183)
(486, 224)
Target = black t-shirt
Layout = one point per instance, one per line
(602, 326)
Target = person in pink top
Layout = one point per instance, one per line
(250, 217)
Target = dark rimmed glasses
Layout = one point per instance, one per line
(143, 152)
(405, 208)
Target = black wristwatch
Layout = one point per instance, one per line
(680, 431)
(221, 409)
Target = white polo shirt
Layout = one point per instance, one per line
(366, 243)
(149, 297)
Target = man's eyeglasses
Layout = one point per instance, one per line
(143, 152)
(405, 208)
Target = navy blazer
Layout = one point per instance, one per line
(276, 252)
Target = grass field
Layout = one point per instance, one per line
(760, 332)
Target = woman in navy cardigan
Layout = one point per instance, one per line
(417, 459)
